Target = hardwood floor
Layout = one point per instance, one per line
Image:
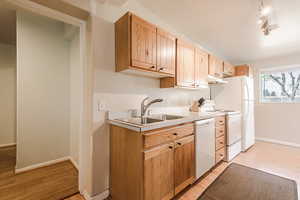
(48, 183)
(7, 161)
(273, 158)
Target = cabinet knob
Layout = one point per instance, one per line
(170, 147)
(152, 67)
(175, 134)
(178, 143)
(221, 142)
(162, 69)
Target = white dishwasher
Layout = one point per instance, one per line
(205, 146)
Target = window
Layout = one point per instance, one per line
(280, 85)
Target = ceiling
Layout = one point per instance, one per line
(8, 26)
(229, 27)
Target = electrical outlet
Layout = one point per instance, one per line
(100, 106)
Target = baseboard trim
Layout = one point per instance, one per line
(44, 164)
(7, 145)
(74, 163)
(100, 196)
(278, 142)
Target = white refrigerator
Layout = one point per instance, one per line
(238, 95)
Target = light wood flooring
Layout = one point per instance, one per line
(53, 182)
(273, 158)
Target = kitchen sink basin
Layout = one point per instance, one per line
(150, 119)
(167, 117)
(140, 121)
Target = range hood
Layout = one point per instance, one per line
(215, 80)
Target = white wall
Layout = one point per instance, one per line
(7, 94)
(43, 90)
(75, 93)
(277, 121)
(118, 91)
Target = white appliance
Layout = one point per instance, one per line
(205, 146)
(238, 94)
(234, 134)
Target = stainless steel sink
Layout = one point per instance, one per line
(167, 117)
(140, 121)
(150, 119)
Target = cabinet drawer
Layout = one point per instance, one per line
(220, 155)
(220, 142)
(220, 131)
(220, 121)
(157, 137)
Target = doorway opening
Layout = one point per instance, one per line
(41, 74)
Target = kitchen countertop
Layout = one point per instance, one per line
(187, 117)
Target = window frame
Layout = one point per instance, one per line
(273, 69)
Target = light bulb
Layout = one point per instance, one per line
(265, 11)
(259, 21)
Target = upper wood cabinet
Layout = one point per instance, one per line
(243, 70)
(159, 173)
(166, 52)
(184, 163)
(201, 67)
(228, 69)
(185, 74)
(141, 46)
(215, 66)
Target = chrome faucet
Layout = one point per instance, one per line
(144, 106)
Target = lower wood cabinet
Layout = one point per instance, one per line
(184, 161)
(159, 172)
(155, 173)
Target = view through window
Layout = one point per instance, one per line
(280, 85)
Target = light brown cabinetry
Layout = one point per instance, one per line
(243, 70)
(141, 47)
(166, 52)
(152, 165)
(143, 44)
(215, 67)
(184, 158)
(185, 64)
(220, 138)
(159, 172)
(228, 69)
(201, 67)
(191, 67)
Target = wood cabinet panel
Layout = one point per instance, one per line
(201, 67)
(220, 155)
(220, 121)
(166, 52)
(220, 131)
(243, 70)
(185, 64)
(215, 66)
(159, 173)
(158, 137)
(228, 69)
(184, 163)
(143, 41)
(220, 142)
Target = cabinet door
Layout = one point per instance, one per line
(201, 67)
(166, 50)
(215, 66)
(143, 44)
(185, 64)
(184, 162)
(159, 173)
(228, 69)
